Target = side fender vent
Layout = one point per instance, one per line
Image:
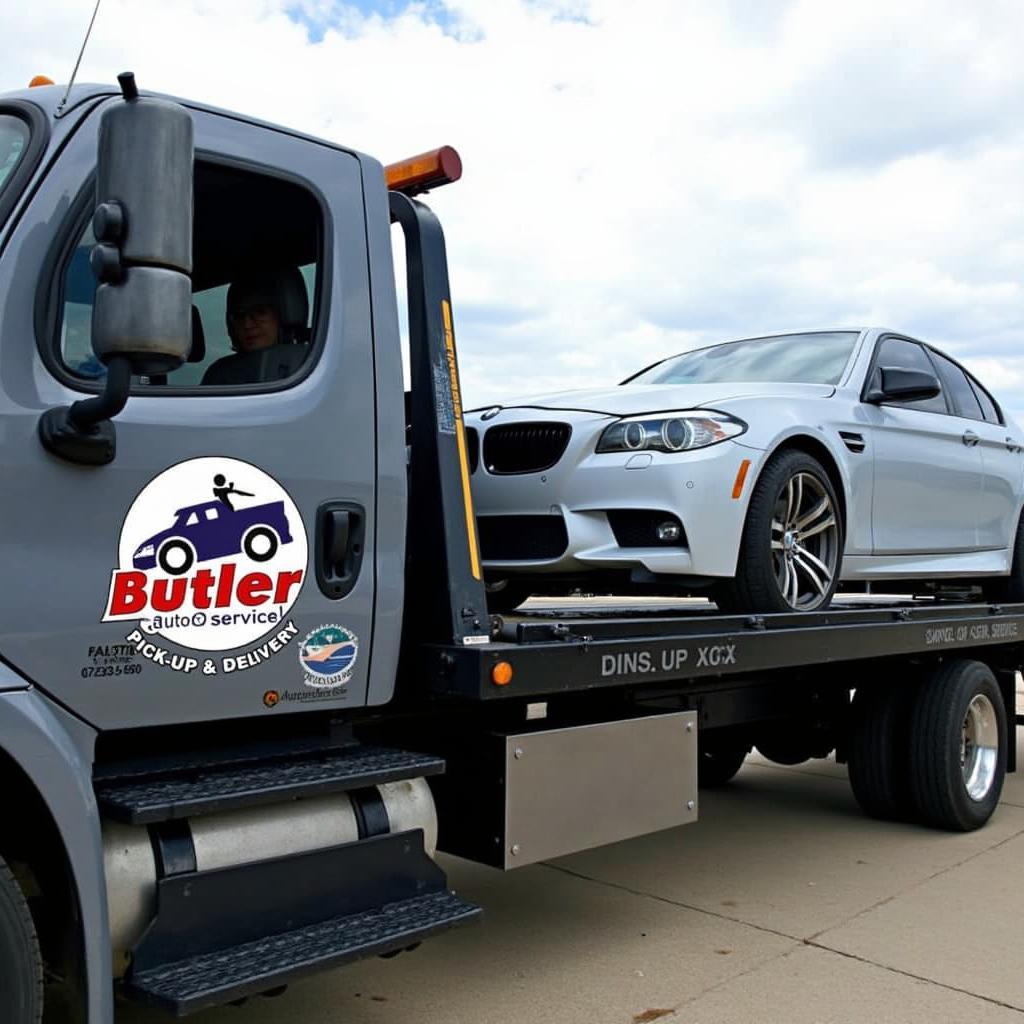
(855, 442)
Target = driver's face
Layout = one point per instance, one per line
(256, 327)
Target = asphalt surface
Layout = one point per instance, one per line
(784, 903)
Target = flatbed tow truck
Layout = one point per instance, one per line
(226, 771)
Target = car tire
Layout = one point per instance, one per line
(506, 595)
(174, 568)
(958, 738)
(21, 963)
(791, 487)
(255, 553)
(718, 765)
(878, 760)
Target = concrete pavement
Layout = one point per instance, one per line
(782, 904)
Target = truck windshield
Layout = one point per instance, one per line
(13, 143)
(816, 358)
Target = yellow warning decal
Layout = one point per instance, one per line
(460, 436)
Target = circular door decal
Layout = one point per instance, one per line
(212, 556)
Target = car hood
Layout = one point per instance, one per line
(634, 399)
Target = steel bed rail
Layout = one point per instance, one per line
(566, 651)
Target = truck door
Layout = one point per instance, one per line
(216, 568)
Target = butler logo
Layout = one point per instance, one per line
(212, 556)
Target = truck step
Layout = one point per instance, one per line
(252, 967)
(202, 789)
(228, 933)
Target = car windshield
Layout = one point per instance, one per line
(13, 142)
(817, 358)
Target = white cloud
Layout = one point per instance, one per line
(641, 177)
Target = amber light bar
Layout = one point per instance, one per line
(426, 171)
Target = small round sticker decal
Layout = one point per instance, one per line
(328, 656)
(212, 556)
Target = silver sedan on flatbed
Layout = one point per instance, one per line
(762, 472)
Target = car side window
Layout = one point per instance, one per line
(989, 408)
(192, 520)
(909, 355)
(955, 381)
(256, 239)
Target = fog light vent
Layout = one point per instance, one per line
(668, 532)
(646, 528)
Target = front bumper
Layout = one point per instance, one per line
(581, 489)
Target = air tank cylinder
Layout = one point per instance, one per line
(242, 837)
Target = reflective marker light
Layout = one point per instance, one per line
(426, 171)
(38, 80)
(501, 674)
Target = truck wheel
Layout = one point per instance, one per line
(792, 546)
(506, 595)
(958, 746)
(718, 765)
(877, 757)
(175, 557)
(21, 965)
(260, 544)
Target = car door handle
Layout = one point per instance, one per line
(970, 438)
(1011, 445)
(340, 536)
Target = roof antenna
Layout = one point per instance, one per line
(71, 81)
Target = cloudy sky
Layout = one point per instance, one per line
(640, 177)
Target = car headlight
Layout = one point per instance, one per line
(144, 551)
(670, 432)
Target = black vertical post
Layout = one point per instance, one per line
(446, 601)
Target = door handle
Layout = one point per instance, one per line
(970, 438)
(1012, 445)
(340, 536)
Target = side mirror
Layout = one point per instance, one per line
(142, 312)
(897, 384)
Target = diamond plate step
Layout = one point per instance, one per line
(230, 932)
(252, 967)
(202, 789)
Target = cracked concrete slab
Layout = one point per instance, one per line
(963, 927)
(813, 986)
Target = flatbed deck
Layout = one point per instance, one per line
(569, 646)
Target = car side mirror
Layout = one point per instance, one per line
(898, 384)
(142, 312)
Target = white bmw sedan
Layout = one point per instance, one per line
(763, 472)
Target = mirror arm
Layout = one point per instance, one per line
(82, 432)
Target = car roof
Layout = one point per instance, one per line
(200, 507)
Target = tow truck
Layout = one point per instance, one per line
(222, 777)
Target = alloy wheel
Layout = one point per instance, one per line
(805, 542)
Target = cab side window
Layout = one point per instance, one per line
(955, 381)
(908, 355)
(989, 409)
(255, 282)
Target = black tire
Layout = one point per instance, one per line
(878, 759)
(958, 699)
(756, 586)
(254, 553)
(171, 568)
(21, 964)
(506, 595)
(718, 765)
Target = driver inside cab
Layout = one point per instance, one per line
(266, 313)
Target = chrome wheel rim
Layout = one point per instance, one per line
(805, 542)
(979, 747)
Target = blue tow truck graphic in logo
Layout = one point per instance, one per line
(214, 529)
